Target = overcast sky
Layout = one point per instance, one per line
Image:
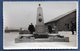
(21, 14)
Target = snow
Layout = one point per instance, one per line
(9, 42)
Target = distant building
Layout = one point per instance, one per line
(63, 22)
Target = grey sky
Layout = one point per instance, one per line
(21, 14)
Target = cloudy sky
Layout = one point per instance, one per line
(21, 14)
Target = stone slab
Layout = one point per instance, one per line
(50, 39)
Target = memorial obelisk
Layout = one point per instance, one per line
(40, 27)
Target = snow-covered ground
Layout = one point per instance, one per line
(9, 42)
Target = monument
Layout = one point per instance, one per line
(40, 35)
(40, 29)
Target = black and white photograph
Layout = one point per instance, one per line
(40, 25)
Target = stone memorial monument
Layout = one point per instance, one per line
(40, 34)
(40, 29)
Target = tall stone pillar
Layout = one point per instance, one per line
(40, 27)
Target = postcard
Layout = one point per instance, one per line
(40, 25)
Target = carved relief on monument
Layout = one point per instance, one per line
(40, 19)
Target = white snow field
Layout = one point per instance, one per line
(9, 42)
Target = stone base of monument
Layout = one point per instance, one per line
(54, 38)
(41, 35)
